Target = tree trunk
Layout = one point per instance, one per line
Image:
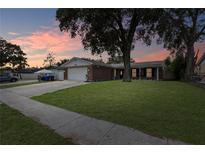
(189, 72)
(127, 68)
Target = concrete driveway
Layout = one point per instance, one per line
(18, 82)
(42, 88)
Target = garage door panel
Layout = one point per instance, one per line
(78, 73)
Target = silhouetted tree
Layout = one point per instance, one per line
(118, 59)
(4, 54)
(112, 30)
(178, 67)
(167, 61)
(62, 61)
(180, 29)
(50, 59)
(12, 54)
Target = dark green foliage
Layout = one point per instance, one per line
(12, 54)
(112, 30)
(167, 61)
(178, 67)
(117, 60)
(179, 30)
(62, 61)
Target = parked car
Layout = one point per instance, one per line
(8, 77)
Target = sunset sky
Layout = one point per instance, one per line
(37, 32)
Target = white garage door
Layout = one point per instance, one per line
(78, 73)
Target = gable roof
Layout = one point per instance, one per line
(86, 62)
(201, 59)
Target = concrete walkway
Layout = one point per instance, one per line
(42, 88)
(82, 129)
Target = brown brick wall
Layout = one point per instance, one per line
(90, 73)
(100, 73)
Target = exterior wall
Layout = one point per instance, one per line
(100, 73)
(58, 74)
(66, 74)
(143, 74)
(29, 76)
(90, 73)
(161, 72)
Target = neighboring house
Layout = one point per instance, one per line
(200, 69)
(89, 70)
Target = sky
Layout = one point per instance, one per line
(37, 33)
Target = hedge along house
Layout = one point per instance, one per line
(89, 70)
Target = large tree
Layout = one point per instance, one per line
(112, 30)
(118, 59)
(180, 29)
(11, 54)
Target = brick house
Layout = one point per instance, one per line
(89, 70)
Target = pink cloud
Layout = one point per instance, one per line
(39, 43)
(49, 40)
(201, 48)
(160, 55)
(13, 33)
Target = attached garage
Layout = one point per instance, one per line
(77, 73)
(80, 69)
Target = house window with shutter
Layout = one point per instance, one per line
(134, 73)
(149, 73)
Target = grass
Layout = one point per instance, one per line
(16, 84)
(165, 109)
(15, 128)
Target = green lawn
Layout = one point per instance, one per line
(3, 86)
(161, 108)
(18, 129)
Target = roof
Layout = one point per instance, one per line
(44, 71)
(201, 59)
(141, 64)
(88, 61)
(120, 66)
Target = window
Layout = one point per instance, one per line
(134, 73)
(149, 73)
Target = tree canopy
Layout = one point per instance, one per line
(118, 59)
(11, 54)
(50, 59)
(117, 30)
(112, 30)
(62, 61)
(179, 30)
